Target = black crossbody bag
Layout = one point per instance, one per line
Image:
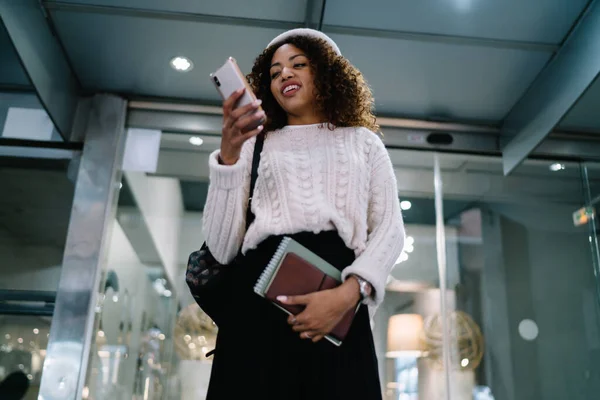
(207, 279)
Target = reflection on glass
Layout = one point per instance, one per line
(23, 343)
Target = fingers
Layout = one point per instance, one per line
(301, 299)
(238, 120)
(252, 133)
(302, 322)
(292, 320)
(253, 119)
(307, 331)
(299, 322)
(229, 103)
(312, 336)
(246, 109)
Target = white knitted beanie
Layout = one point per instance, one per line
(309, 33)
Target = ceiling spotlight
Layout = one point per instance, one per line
(196, 141)
(181, 64)
(405, 205)
(557, 167)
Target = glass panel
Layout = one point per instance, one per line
(23, 342)
(524, 288)
(413, 292)
(132, 354)
(35, 208)
(589, 214)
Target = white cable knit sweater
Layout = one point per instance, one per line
(311, 179)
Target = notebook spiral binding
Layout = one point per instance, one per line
(263, 281)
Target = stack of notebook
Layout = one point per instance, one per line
(294, 270)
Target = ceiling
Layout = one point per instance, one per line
(448, 60)
(445, 60)
(12, 74)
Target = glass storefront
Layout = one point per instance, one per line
(518, 277)
(132, 351)
(495, 296)
(515, 258)
(524, 303)
(35, 208)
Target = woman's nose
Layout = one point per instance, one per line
(287, 73)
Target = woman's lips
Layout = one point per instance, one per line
(290, 89)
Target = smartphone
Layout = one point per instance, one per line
(228, 79)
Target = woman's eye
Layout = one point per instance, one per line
(274, 75)
(299, 65)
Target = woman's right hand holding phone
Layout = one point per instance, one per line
(237, 126)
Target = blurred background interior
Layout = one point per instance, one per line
(489, 113)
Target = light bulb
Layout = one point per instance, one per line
(181, 64)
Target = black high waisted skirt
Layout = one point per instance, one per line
(259, 356)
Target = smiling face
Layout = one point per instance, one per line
(292, 85)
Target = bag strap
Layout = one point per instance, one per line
(258, 146)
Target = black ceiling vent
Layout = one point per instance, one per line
(440, 138)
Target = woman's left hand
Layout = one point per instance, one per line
(324, 309)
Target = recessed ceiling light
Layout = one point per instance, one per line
(557, 167)
(405, 205)
(181, 64)
(196, 141)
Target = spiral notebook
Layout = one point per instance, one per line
(294, 270)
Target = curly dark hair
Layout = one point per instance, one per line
(343, 95)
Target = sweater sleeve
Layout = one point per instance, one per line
(224, 219)
(385, 239)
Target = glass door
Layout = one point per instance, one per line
(526, 301)
(588, 214)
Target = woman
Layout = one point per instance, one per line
(324, 179)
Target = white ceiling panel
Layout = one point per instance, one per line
(442, 81)
(280, 10)
(543, 21)
(131, 55)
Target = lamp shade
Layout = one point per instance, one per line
(404, 334)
